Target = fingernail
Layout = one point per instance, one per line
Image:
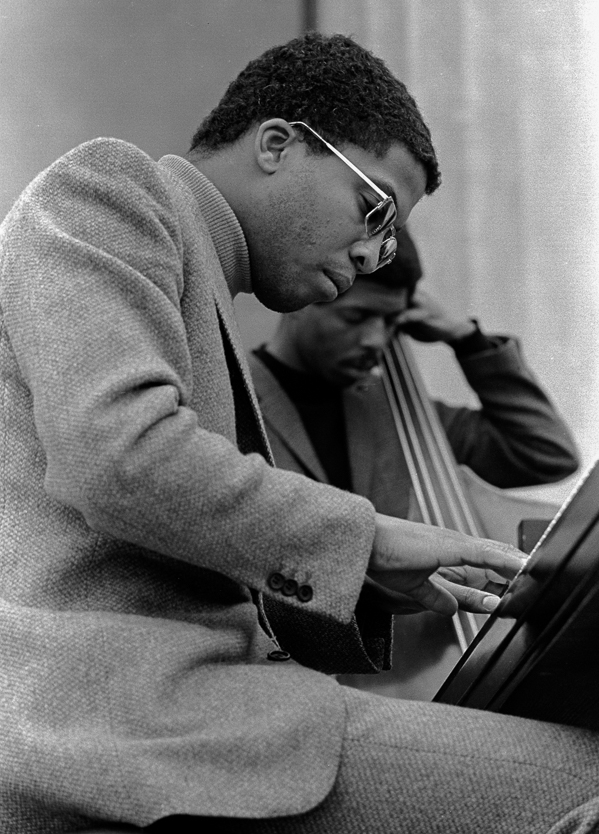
(490, 603)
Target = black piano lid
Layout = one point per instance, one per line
(538, 654)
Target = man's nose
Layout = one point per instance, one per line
(365, 253)
(374, 333)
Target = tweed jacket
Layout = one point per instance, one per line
(140, 521)
(516, 438)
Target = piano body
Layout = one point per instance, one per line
(537, 655)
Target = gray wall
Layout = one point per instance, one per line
(142, 70)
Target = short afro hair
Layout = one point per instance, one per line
(335, 85)
(405, 270)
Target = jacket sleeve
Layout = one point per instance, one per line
(517, 438)
(364, 645)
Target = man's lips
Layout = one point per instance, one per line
(342, 281)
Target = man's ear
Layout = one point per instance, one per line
(272, 140)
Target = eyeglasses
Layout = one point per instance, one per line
(381, 215)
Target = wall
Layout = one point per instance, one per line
(142, 70)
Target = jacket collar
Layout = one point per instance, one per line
(225, 230)
(231, 250)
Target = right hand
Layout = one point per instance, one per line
(407, 555)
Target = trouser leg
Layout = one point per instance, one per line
(420, 768)
(425, 768)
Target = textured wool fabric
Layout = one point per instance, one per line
(419, 768)
(135, 536)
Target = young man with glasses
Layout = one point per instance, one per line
(171, 604)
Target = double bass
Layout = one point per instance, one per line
(427, 646)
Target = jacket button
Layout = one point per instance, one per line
(276, 581)
(305, 593)
(289, 588)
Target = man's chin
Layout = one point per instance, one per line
(283, 296)
(280, 302)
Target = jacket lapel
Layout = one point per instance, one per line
(247, 411)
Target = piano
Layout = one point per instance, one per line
(537, 655)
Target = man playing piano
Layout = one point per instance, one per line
(172, 607)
